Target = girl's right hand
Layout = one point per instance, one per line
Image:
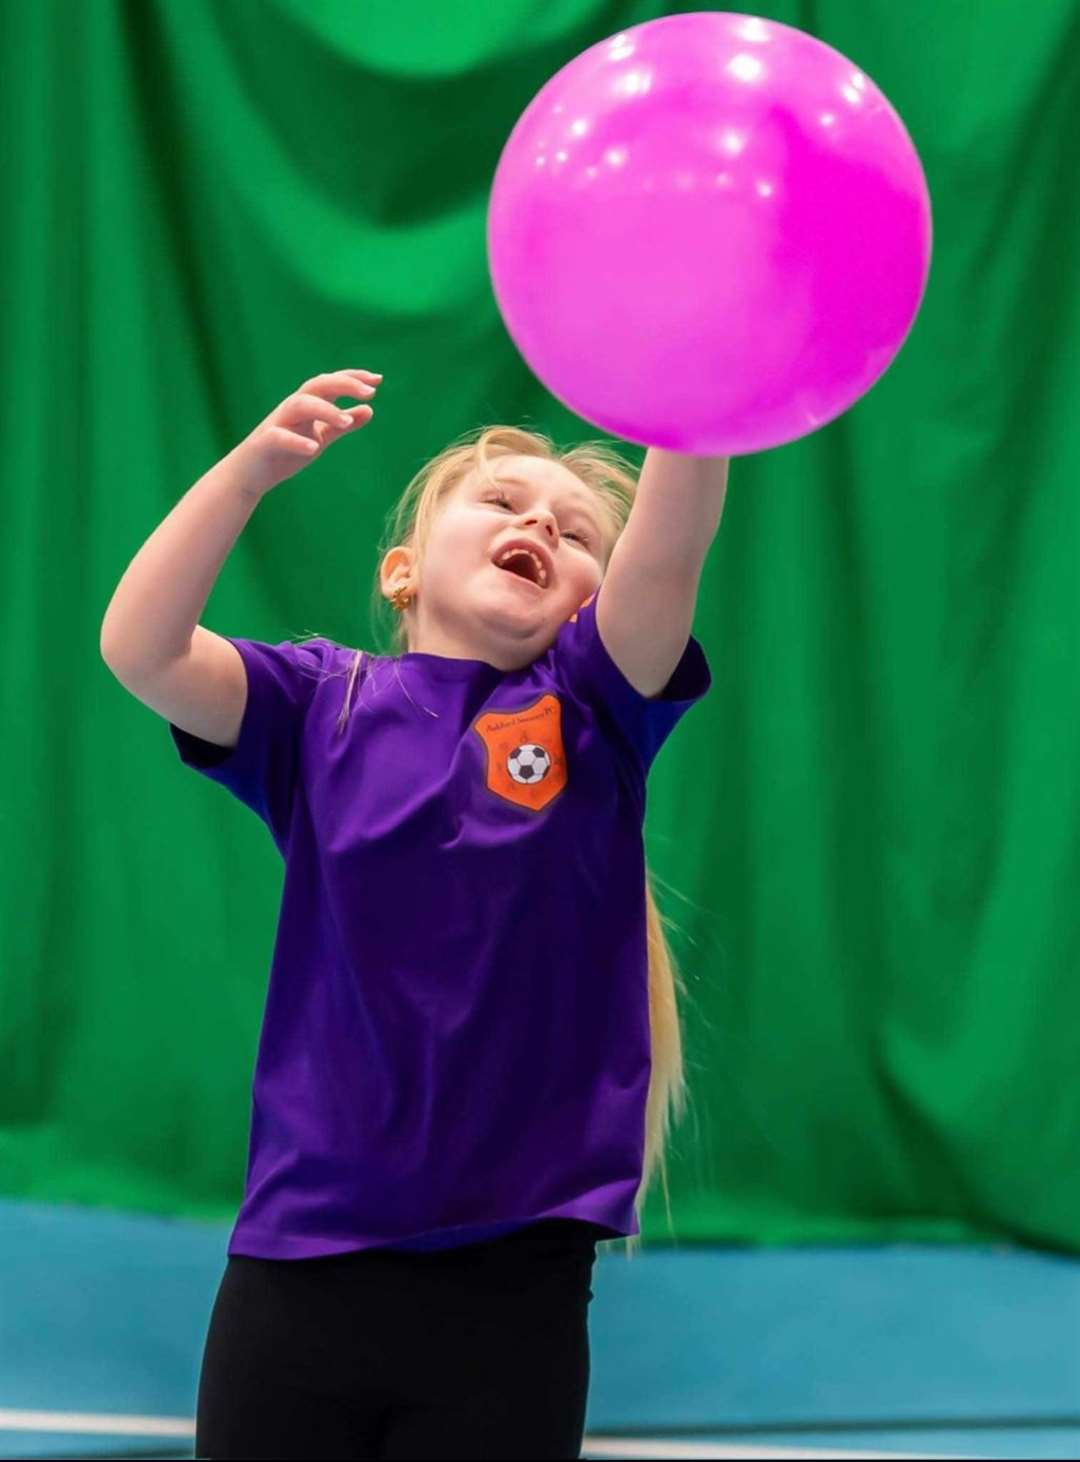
(297, 430)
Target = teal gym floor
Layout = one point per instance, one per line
(697, 1351)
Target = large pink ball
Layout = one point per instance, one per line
(709, 233)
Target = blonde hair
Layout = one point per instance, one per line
(615, 481)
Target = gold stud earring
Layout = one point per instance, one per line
(400, 598)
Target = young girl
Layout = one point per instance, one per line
(470, 1048)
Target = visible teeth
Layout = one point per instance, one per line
(510, 553)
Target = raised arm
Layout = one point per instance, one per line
(150, 637)
(645, 605)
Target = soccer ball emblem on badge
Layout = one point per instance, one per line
(528, 763)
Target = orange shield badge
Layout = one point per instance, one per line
(526, 763)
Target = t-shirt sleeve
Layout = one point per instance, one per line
(641, 723)
(261, 769)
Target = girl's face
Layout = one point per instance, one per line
(477, 600)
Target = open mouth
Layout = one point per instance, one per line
(524, 564)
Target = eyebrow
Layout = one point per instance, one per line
(576, 506)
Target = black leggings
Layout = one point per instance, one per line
(476, 1352)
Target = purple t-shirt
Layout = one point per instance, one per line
(456, 1034)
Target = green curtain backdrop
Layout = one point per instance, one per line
(869, 833)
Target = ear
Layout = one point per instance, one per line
(396, 569)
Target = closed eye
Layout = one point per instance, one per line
(506, 503)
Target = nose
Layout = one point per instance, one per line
(546, 521)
